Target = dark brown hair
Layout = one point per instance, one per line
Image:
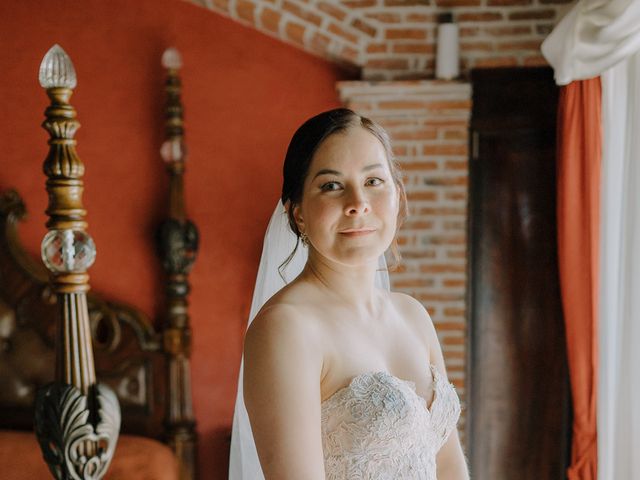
(303, 146)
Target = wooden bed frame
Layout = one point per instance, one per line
(147, 367)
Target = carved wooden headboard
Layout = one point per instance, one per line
(128, 351)
(147, 367)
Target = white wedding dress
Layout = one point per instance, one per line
(375, 428)
(379, 428)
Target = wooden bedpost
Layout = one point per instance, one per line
(77, 420)
(178, 246)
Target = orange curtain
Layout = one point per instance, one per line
(579, 156)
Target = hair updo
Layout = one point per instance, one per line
(303, 145)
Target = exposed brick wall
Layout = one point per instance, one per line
(396, 39)
(428, 124)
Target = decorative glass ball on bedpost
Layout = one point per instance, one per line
(68, 251)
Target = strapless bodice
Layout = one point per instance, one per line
(379, 428)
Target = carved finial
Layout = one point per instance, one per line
(171, 59)
(56, 69)
(173, 150)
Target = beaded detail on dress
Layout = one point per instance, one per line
(379, 428)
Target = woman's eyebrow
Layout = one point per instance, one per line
(328, 171)
(372, 166)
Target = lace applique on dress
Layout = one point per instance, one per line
(379, 428)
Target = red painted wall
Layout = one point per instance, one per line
(244, 95)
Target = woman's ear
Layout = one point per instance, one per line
(297, 216)
(398, 198)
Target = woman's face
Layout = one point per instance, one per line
(350, 203)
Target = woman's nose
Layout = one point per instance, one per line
(357, 203)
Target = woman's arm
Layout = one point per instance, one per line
(450, 460)
(282, 372)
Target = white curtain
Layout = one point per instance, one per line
(592, 37)
(602, 38)
(618, 409)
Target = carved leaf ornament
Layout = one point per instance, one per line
(73, 444)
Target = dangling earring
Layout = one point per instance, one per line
(305, 239)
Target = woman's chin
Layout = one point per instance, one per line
(358, 253)
(359, 257)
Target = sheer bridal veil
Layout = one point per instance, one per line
(279, 242)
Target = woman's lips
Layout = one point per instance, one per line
(357, 233)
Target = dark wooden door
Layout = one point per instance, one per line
(518, 411)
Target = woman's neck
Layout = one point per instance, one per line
(353, 286)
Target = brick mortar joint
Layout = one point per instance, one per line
(355, 89)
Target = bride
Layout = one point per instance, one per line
(341, 378)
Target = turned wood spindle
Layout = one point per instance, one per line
(77, 420)
(178, 246)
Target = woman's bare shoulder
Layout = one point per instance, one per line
(286, 305)
(408, 304)
(282, 323)
(415, 314)
(279, 322)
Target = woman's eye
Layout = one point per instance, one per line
(330, 186)
(375, 181)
